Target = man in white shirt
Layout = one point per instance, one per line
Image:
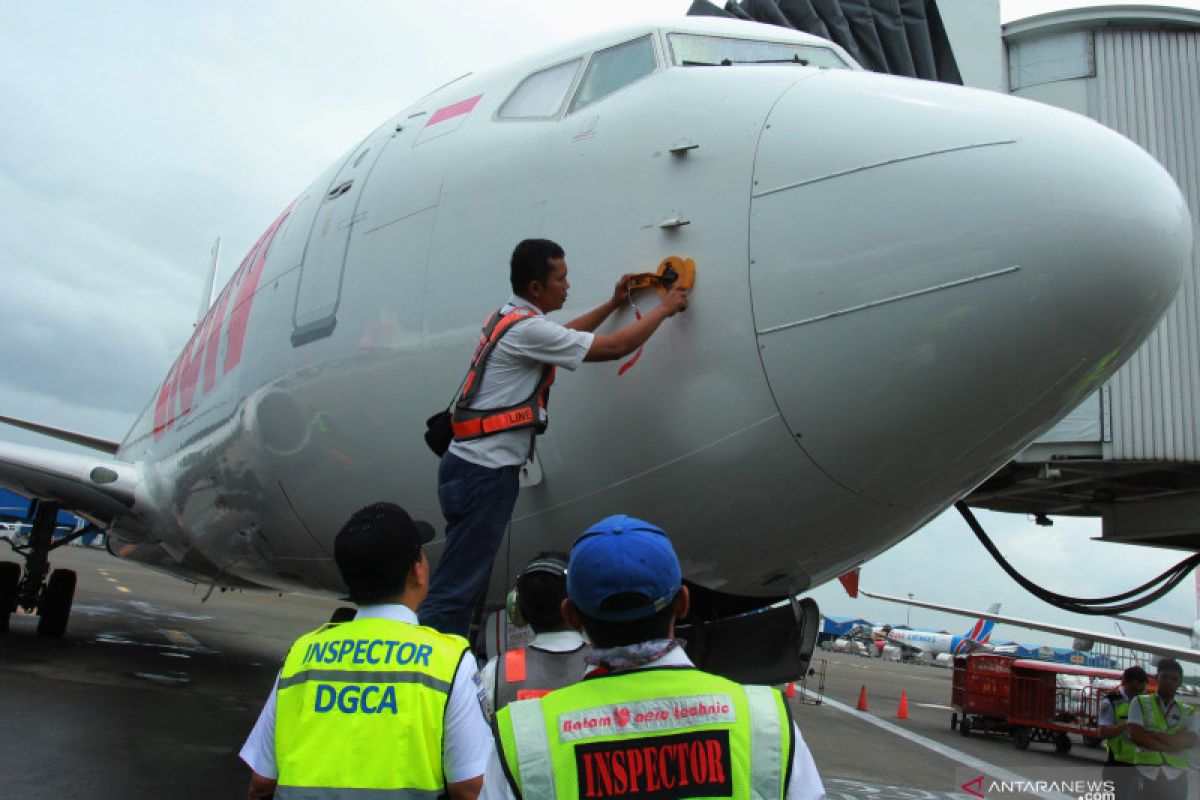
(507, 392)
(1164, 730)
(357, 704)
(555, 657)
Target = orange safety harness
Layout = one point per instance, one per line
(469, 423)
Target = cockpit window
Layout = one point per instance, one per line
(689, 50)
(611, 69)
(542, 93)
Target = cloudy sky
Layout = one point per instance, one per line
(135, 133)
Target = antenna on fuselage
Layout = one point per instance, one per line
(206, 297)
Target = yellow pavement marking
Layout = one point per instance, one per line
(122, 589)
(111, 580)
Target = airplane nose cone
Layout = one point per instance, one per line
(961, 268)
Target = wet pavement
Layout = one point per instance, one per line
(153, 690)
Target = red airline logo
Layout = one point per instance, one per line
(177, 395)
(454, 110)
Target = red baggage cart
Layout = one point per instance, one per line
(1046, 708)
(980, 693)
(1032, 701)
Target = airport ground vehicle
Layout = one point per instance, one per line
(1031, 701)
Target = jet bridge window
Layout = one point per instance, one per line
(615, 68)
(542, 93)
(688, 50)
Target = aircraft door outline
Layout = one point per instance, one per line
(319, 289)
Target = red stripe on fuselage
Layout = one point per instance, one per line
(455, 110)
(177, 395)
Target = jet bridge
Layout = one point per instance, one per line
(1130, 453)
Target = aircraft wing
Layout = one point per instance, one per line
(99, 488)
(1181, 653)
(1182, 630)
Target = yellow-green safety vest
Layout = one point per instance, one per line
(1120, 747)
(653, 734)
(1153, 719)
(359, 711)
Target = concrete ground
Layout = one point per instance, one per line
(154, 688)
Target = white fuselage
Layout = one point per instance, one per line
(900, 284)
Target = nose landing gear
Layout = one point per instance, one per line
(29, 588)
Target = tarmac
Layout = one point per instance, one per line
(155, 686)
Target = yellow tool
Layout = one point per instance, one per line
(672, 271)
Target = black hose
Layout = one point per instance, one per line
(1097, 606)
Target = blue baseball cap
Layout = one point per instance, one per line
(620, 555)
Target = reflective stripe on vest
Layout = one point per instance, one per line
(1155, 720)
(533, 672)
(1120, 747)
(642, 733)
(359, 710)
(533, 749)
(470, 423)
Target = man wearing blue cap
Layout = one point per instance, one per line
(644, 722)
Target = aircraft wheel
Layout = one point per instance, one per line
(1021, 738)
(10, 577)
(1062, 743)
(55, 606)
(964, 726)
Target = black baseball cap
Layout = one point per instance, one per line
(376, 548)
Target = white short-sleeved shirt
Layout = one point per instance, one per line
(467, 742)
(805, 783)
(511, 375)
(550, 641)
(1108, 716)
(1172, 713)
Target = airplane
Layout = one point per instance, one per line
(1083, 638)
(901, 283)
(930, 644)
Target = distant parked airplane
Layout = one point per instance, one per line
(1082, 637)
(932, 644)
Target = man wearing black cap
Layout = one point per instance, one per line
(1163, 731)
(1112, 722)
(644, 723)
(378, 705)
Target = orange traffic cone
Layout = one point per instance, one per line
(862, 698)
(902, 712)
(790, 691)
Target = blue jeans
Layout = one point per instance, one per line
(477, 503)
